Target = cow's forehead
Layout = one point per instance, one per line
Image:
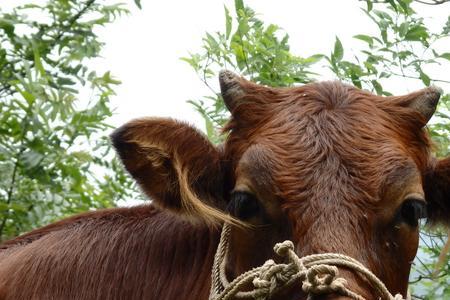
(329, 131)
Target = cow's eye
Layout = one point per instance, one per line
(243, 205)
(412, 210)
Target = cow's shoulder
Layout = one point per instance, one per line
(108, 216)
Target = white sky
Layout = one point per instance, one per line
(143, 49)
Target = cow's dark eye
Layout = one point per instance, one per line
(412, 210)
(243, 205)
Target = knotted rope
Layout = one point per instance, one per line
(317, 273)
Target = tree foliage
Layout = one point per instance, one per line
(54, 154)
(403, 49)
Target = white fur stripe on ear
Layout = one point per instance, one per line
(196, 207)
(176, 166)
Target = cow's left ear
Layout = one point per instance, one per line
(437, 192)
(175, 165)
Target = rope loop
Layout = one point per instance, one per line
(322, 279)
(318, 274)
(282, 249)
(271, 277)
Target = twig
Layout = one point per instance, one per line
(74, 19)
(203, 78)
(431, 2)
(416, 297)
(441, 260)
(418, 78)
(13, 180)
(425, 267)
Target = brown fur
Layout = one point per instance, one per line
(329, 164)
(437, 189)
(126, 253)
(332, 147)
(172, 162)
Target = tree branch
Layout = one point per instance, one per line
(430, 2)
(6, 88)
(10, 190)
(74, 19)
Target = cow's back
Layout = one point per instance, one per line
(126, 253)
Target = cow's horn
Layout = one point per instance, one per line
(230, 87)
(424, 101)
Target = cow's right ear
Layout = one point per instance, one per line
(436, 184)
(175, 165)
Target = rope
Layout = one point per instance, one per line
(317, 273)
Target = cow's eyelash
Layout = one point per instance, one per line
(243, 205)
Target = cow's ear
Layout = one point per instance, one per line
(175, 165)
(437, 192)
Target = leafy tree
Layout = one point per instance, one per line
(54, 155)
(252, 49)
(404, 48)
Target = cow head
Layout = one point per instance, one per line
(326, 165)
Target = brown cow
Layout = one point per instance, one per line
(328, 166)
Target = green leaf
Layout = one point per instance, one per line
(37, 61)
(29, 97)
(212, 42)
(356, 80)
(377, 86)
(425, 78)
(446, 29)
(384, 36)
(338, 52)
(239, 5)
(18, 207)
(271, 29)
(138, 3)
(228, 23)
(416, 33)
(384, 16)
(7, 26)
(82, 156)
(365, 38)
(31, 159)
(243, 27)
(313, 58)
(404, 4)
(403, 29)
(65, 81)
(393, 4)
(445, 55)
(369, 5)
